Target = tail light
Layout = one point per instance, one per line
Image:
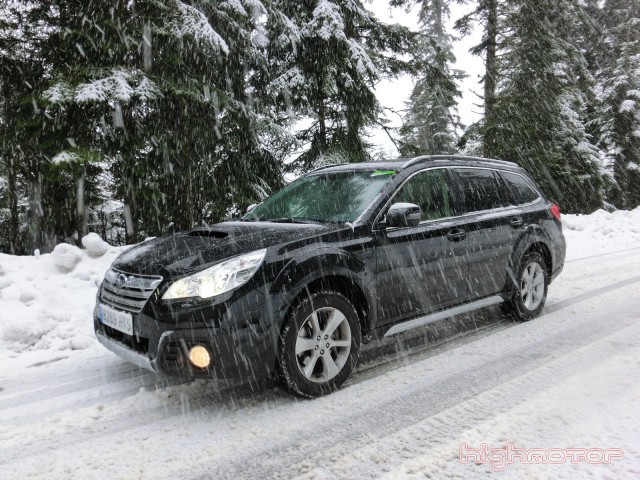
(555, 211)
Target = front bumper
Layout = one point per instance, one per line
(131, 356)
(243, 344)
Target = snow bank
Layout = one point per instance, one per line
(96, 247)
(46, 301)
(66, 257)
(601, 232)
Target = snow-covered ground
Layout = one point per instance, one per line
(568, 379)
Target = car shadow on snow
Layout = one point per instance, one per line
(376, 358)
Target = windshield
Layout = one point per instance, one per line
(324, 197)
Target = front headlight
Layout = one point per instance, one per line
(218, 279)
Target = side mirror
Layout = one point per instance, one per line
(251, 207)
(403, 215)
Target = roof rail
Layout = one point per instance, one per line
(476, 159)
(321, 167)
(415, 160)
(423, 158)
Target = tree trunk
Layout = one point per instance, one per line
(190, 203)
(131, 230)
(14, 222)
(37, 212)
(322, 126)
(81, 215)
(620, 175)
(490, 75)
(438, 27)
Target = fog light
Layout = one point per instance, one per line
(199, 356)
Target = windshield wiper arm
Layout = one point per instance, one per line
(289, 220)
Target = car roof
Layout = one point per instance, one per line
(404, 163)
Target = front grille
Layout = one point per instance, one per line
(126, 291)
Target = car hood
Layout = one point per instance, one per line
(186, 252)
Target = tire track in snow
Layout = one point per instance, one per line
(382, 400)
(205, 405)
(400, 410)
(88, 371)
(412, 448)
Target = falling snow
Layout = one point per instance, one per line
(404, 414)
(141, 118)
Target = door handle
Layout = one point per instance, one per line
(456, 235)
(516, 222)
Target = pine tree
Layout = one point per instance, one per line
(486, 14)
(619, 85)
(9, 221)
(326, 57)
(540, 108)
(23, 73)
(431, 121)
(152, 89)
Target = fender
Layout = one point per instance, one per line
(532, 234)
(317, 263)
(320, 263)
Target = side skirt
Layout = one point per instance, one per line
(434, 317)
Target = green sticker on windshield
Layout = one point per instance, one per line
(383, 172)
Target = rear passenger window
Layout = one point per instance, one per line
(520, 187)
(430, 191)
(479, 189)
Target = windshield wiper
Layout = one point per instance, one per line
(290, 220)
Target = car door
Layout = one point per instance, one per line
(423, 268)
(490, 224)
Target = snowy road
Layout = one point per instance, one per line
(566, 379)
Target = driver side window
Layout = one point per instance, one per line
(430, 191)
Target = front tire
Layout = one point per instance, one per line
(530, 292)
(320, 344)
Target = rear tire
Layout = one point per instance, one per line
(320, 344)
(530, 293)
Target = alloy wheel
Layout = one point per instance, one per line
(323, 344)
(532, 286)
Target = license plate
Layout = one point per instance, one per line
(121, 321)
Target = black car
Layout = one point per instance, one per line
(343, 255)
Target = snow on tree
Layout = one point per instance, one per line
(619, 87)
(327, 57)
(162, 91)
(540, 107)
(431, 121)
(487, 14)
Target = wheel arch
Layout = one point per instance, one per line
(530, 242)
(338, 283)
(324, 269)
(544, 251)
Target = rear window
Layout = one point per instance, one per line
(522, 190)
(479, 189)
